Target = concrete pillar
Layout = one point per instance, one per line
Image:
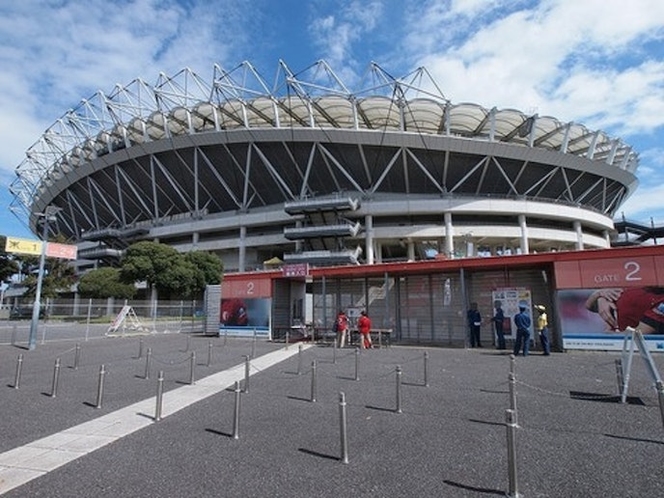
(524, 234)
(369, 234)
(411, 250)
(579, 235)
(449, 236)
(378, 251)
(242, 248)
(194, 240)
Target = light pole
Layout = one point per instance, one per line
(48, 215)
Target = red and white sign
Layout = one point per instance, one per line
(610, 272)
(63, 251)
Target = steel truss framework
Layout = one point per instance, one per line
(188, 148)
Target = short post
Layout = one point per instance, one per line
(426, 369)
(619, 376)
(77, 356)
(56, 378)
(287, 337)
(357, 364)
(247, 367)
(299, 359)
(148, 357)
(660, 397)
(334, 351)
(192, 366)
(225, 337)
(140, 348)
(513, 364)
(510, 422)
(14, 335)
(160, 395)
(398, 376)
(313, 381)
(188, 342)
(512, 390)
(380, 340)
(209, 358)
(19, 368)
(100, 386)
(236, 416)
(343, 430)
(253, 345)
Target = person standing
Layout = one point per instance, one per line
(364, 328)
(341, 328)
(543, 329)
(522, 322)
(474, 323)
(499, 320)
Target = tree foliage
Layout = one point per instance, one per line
(103, 283)
(167, 270)
(8, 264)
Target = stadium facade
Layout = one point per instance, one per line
(308, 170)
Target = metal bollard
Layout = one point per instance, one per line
(343, 429)
(334, 352)
(398, 375)
(225, 337)
(510, 423)
(513, 364)
(299, 359)
(160, 396)
(192, 366)
(148, 357)
(426, 369)
(140, 349)
(56, 378)
(287, 337)
(100, 386)
(380, 340)
(660, 397)
(188, 342)
(512, 390)
(357, 364)
(236, 416)
(77, 356)
(247, 366)
(209, 359)
(313, 381)
(19, 369)
(619, 376)
(253, 345)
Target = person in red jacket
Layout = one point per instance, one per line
(364, 328)
(341, 328)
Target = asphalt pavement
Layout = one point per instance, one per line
(420, 422)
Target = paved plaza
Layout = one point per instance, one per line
(574, 437)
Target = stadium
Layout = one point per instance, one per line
(308, 170)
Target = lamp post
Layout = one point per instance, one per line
(48, 215)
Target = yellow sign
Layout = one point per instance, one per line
(23, 246)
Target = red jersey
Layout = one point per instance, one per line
(641, 304)
(364, 324)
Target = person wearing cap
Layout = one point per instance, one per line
(522, 323)
(543, 329)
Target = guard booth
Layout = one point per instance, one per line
(426, 302)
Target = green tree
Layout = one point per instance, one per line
(103, 283)
(8, 264)
(209, 269)
(160, 266)
(59, 276)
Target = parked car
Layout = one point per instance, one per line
(25, 313)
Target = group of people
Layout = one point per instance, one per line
(341, 327)
(522, 322)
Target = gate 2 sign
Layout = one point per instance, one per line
(610, 272)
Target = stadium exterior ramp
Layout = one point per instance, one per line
(390, 171)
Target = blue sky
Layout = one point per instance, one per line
(595, 62)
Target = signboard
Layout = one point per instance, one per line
(23, 246)
(34, 247)
(610, 272)
(62, 251)
(510, 299)
(295, 270)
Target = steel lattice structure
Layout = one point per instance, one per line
(215, 164)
